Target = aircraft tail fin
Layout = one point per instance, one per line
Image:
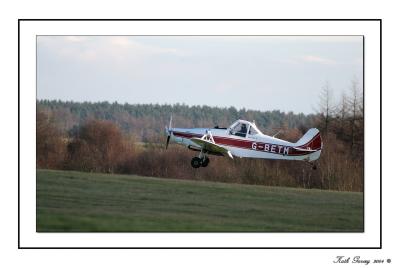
(310, 141)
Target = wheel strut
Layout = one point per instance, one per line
(205, 161)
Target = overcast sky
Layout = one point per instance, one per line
(259, 72)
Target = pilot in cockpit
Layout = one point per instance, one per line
(239, 129)
(243, 130)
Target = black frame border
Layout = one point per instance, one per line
(380, 24)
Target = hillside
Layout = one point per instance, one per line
(77, 201)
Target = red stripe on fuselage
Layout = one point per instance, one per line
(186, 135)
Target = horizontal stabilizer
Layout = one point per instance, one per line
(304, 150)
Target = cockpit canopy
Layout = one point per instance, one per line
(242, 128)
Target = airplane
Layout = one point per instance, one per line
(244, 140)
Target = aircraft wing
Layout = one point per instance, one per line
(304, 150)
(212, 147)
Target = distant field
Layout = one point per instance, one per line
(77, 201)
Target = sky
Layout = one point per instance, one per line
(262, 73)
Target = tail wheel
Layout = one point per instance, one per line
(205, 162)
(314, 167)
(196, 162)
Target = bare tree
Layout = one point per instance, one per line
(343, 108)
(326, 106)
(355, 104)
(341, 116)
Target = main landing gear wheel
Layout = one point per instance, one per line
(205, 162)
(196, 162)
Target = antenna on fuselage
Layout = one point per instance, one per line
(277, 133)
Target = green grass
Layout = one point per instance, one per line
(77, 201)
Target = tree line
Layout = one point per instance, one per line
(147, 121)
(129, 139)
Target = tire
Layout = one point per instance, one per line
(205, 162)
(314, 167)
(196, 162)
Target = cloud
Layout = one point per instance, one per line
(317, 59)
(135, 46)
(225, 86)
(75, 39)
(321, 38)
(285, 39)
(103, 48)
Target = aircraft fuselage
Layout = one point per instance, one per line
(252, 146)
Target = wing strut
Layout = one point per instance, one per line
(207, 143)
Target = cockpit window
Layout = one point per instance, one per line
(253, 131)
(239, 130)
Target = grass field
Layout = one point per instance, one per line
(77, 201)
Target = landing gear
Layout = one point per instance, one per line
(201, 161)
(312, 165)
(196, 162)
(205, 162)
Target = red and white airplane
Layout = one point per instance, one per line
(244, 139)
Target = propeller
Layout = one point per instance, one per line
(168, 130)
(166, 146)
